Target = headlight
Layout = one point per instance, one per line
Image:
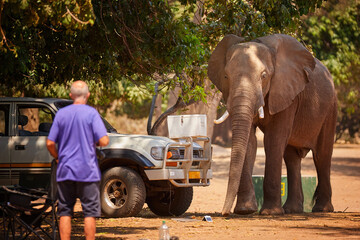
(157, 153)
(175, 153)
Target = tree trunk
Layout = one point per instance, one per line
(222, 133)
(162, 129)
(209, 108)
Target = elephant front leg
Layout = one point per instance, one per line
(272, 187)
(275, 141)
(246, 201)
(295, 199)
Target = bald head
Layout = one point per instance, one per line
(79, 92)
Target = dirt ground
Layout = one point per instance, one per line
(344, 223)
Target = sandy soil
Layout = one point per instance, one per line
(344, 223)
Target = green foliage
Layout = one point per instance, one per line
(334, 34)
(252, 19)
(117, 45)
(36, 37)
(285, 14)
(146, 37)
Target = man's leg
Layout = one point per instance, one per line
(67, 199)
(65, 227)
(89, 194)
(89, 228)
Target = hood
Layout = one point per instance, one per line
(139, 143)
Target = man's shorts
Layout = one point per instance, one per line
(87, 192)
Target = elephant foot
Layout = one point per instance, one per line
(328, 207)
(272, 211)
(293, 208)
(245, 211)
(246, 208)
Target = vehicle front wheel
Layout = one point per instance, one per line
(174, 202)
(123, 192)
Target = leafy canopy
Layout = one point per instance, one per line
(334, 34)
(115, 44)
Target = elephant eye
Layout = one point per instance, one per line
(263, 75)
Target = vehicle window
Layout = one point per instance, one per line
(62, 103)
(4, 119)
(34, 120)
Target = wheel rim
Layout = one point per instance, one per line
(116, 193)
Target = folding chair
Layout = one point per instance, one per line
(30, 212)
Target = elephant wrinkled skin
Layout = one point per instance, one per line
(300, 107)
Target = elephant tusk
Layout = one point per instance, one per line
(222, 118)
(261, 112)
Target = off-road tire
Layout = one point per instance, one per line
(123, 192)
(174, 202)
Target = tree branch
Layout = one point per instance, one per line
(4, 40)
(75, 18)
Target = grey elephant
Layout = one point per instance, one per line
(275, 84)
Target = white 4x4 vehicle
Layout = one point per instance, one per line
(135, 168)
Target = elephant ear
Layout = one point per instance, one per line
(217, 62)
(293, 63)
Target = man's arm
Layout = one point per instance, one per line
(104, 141)
(51, 146)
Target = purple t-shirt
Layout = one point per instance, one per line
(76, 129)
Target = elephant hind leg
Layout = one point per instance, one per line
(295, 198)
(322, 159)
(323, 192)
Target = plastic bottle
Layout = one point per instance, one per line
(164, 232)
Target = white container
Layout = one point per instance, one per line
(186, 125)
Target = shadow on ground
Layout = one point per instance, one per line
(110, 228)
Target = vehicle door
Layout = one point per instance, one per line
(5, 116)
(30, 159)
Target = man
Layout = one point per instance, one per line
(77, 129)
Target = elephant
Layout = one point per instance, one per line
(274, 83)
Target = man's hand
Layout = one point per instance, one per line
(104, 141)
(51, 146)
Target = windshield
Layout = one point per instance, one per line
(64, 103)
(109, 128)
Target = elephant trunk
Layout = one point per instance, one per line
(241, 121)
